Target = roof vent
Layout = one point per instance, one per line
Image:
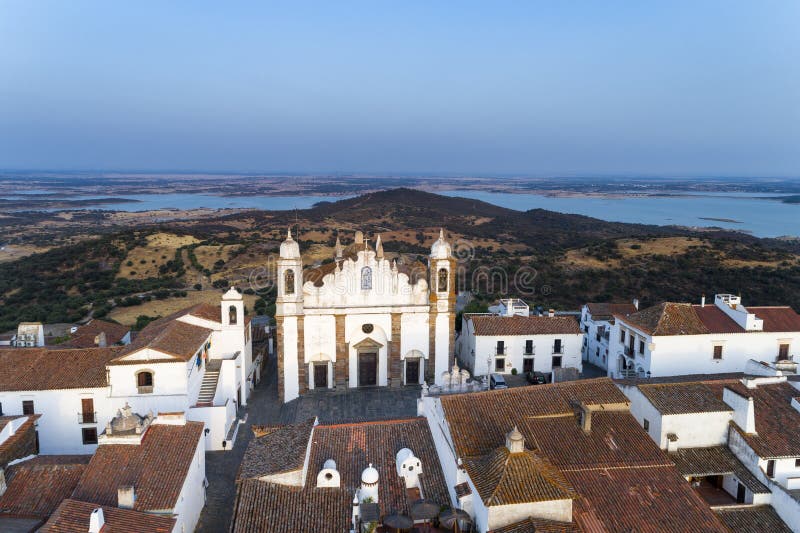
(409, 467)
(328, 476)
(586, 418)
(96, 521)
(126, 496)
(515, 442)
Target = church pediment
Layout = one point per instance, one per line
(368, 343)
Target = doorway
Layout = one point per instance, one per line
(412, 371)
(367, 369)
(740, 493)
(527, 364)
(321, 376)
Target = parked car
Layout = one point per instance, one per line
(536, 378)
(496, 381)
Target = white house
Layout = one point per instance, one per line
(150, 465)
(363, 320)
(29, 335)
(197, 361)
(501, 343)
(680, 338)
(596, 320)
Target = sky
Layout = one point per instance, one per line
(697, 87)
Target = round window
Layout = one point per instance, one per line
(367, 328)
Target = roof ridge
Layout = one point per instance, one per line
(371, 422)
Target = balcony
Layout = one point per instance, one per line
(528, 353)
(558, 349)
(501, 351)
(87, 418)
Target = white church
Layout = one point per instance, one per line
(363, 320)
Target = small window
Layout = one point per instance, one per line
(89, 435)
(366, 278)
(499, 364)
(288, 281)
(783, 351)
(1, 408)
(646, 424)
(232, 315)
(529, 347)
(797, 463)
(442, 280)
(27, 407)
(641, 346)
(718, 352)
(557, 361)
(144, 382)
(501, 348)
(622, 335)
(557, 348)
(771, 468)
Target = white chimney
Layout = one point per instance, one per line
(409, 467)
(636, 303)
(369, 485)
(126, 497)
(703, 301)
(328, 476)
(96, 521)
(551, 313)
(744, 413)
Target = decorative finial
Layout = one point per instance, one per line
(289, 234)
(379, 248)
(441, 233)
(339, 251)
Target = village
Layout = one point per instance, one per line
(361, 408)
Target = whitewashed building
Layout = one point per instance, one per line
(197, 361)
(29, 335)
(596, 320)
(513, 340)
(680, 338)
(363, 320)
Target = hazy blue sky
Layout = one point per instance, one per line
(560, 87)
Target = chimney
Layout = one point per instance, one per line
(515, 442)
(672, 442)
(636, 303)
(369, 484)
(101, 341)
(96, 521)
(126, 497)
(551, 313)
(586, 418)
(703, 301)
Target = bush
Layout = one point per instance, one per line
(513, 371)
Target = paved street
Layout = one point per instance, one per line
(264, 408)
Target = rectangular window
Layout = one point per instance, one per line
(622, 336)
(1, 408)
(783, 351)
(528, 347)
(501, 347)
(557, 361)
(641, 346)
(797, 463)
(27, 407)
(557, 348)
(646, 424)
(87, 411)
(718, 352)
(89, 435)
(771, 468)
(499, 364)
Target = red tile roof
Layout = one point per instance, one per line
(168, 336)
(777, 319)
(22, 442)
(685, 398)
(777, 422)
(72, 516)
(156, 468)
(212, 313)
(525, 325)
(37, 486)
(276, 450)
(538, 525)
(603, 310)
(752, 518)
(30, 369)
(85, 336)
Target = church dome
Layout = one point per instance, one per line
(441, 248)
(289, 248)
(369, 476)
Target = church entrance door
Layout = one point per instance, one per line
(321, 376)
(367, 369)
(412, 371)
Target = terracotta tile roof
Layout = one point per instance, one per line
(538, 525)
(777, 422)
(603, 310)
(72, 516)
(683, 398)
(752, 518)
(85, 336)
(484, 418)
(37, 486)
(667, 318)
(156, 468)
(261, 506)
(276, 450)
(504, 478)
(525, 325)
(265, 506)
(29, 369)
(645, 500)
(777, 319)
(687, 378)
(212, 313)
(21, 443)
(168, 336)
(714, 461)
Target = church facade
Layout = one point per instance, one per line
(363, 320)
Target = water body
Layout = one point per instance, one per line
(752, 212)
(150, 202)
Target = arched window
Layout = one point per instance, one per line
(442, 280)
(144, 381)
(232, 315)
(366, 278)
(288, 282)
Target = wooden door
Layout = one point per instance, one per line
(527, 364)
(321, 376)
(367, 369)
(87, 410)
(412, 371)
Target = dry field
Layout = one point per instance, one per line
(145, 260)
